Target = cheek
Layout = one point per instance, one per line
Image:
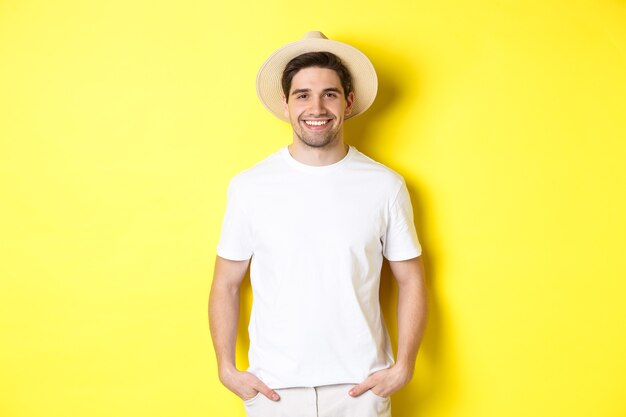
(293, 110)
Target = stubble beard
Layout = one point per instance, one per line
(315, 141)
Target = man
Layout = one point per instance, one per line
(314, 221)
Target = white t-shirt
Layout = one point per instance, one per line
(317, 237)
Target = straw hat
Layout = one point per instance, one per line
(364, 80)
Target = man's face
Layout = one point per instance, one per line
(317, 106)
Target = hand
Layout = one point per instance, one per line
(245, 385)
(385, 382)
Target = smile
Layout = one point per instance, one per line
(316, 122)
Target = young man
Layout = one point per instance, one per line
(314, 221)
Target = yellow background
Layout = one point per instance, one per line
(121, 123)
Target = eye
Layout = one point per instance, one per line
(301, 96)
(331, 94)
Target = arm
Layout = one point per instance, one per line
(224, 319)
(409, 275)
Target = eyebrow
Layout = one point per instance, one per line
(308, 90)
(300, 90)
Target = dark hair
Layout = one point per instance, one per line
(320, 60)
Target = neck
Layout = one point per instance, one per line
(327, 155)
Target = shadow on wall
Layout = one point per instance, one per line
(357, 131)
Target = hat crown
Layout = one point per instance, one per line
(314, 34)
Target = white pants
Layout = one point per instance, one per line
(324, 401)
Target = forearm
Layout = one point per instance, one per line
(412, 309)
(411, 321)
(224, 320)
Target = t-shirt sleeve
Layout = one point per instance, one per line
(235, 239)
(400, 241)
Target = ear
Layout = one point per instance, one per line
(349, 103)
(285, 108)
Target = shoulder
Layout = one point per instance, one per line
(376, 171)
(252, 176)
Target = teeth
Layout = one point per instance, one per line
(316, 122)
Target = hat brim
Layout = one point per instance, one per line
(364, 79)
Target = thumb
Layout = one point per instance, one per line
(360, 389)
(265, 390)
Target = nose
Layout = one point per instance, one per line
(317, 106)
